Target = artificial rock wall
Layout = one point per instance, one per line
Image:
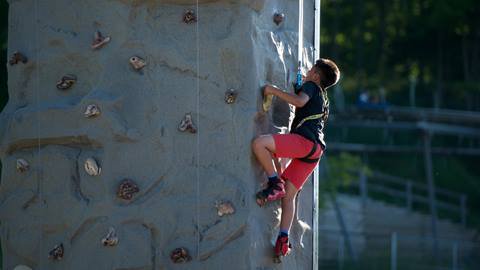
(62, 171)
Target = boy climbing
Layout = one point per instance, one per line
(304, 144)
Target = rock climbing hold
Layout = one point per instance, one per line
(91, 167)
(66, 82)
(189, 17)
(267, 102)
(278, 18)
(56, 253)
(17, 57)
(126, 189)
(180, 255)
(187, 124)
(224, 208)
(99, 40)
(22, 165)
(92, 110)
(137, 62)
(230, 96)
(111, 239)
(22, 267)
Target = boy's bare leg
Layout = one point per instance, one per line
(288, 206)
(263, 147)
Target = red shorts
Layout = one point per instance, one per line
(295, 146)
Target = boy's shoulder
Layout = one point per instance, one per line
(310, 88)
(311, 84)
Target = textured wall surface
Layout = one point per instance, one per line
(180, 175)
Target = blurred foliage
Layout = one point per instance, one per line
(3, 53)
(3, 71)
(389, 43)
(341, 170)
(430, 45)
(337, 171)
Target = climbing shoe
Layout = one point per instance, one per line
(274, 191)
(282, 248)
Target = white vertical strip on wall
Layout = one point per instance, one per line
(316, 184)
(300, 30)
(316, 41)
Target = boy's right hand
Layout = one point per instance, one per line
(270, 90)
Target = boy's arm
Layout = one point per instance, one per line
(296, 100)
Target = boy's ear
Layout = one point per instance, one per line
(318, 77)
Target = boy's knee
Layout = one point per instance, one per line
(290, 196)
(260, 141)
(257, 142)
(289, 199)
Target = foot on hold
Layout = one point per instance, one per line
(66, 82)
(274, 191)
(137, 62)
(99, 40)
(282, 248)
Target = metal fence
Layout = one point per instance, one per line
(396, 252)
(410, 193)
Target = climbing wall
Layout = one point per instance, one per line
(125, 143)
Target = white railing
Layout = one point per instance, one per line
(411, 193)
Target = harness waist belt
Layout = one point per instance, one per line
(311, 117)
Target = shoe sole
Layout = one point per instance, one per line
(262, 200)
(277, 259)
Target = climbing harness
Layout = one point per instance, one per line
(321, 117)
(311, 117)
(308, 158)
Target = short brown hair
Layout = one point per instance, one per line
(328, 71)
